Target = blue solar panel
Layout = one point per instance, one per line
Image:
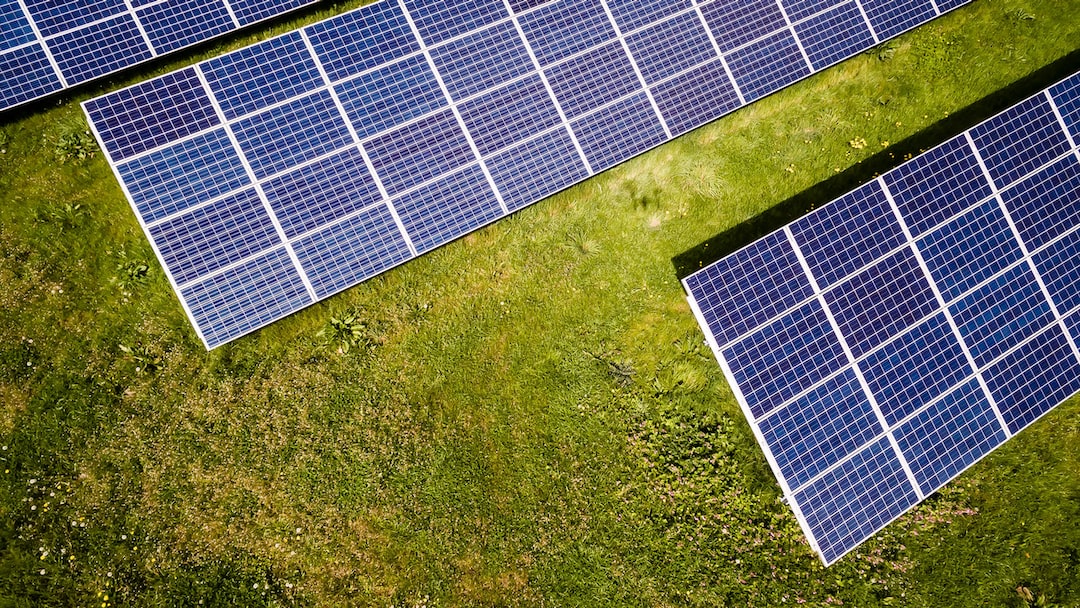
(1043, 205)
(362, 39)
(948, 5)
(537, 168)
(389, 96)
(52, 17)
(670, 47)
(505, 116)
(1066, 95)
(619, 131)
(736, 23)
(767, 65)
(891, 17)
(438, 20)
(482, 60)
(25, 74)
(1019, 140)
(798, 10)
(1059, 267)
(15, 30)
(593, 79)
(695, 97)
(99, 49)
(251, 11)
(633, 14)
(834, 35)
(419, 151)
(448, 208)
(174, 24)
(1031, 380)
(566, 27)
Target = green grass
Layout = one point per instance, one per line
(527, 416)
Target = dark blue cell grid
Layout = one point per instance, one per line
(820, 428)
(191, 172)
(767, 65)
(446, 209)
(970, 249)
(593, 79)
(634, 14)
(1034, 378)
(738, 22)
(419, 151)
(251, 11)
(1066, 96)
(508, 115)
(211, 237)
(362, 39)
(851, 502)
(914, 369)
(949, 436)
(99, 49)
(784, 358)
(670, 47)
(52, 17)
(537, 168)
(1059, 267)
(847, 234)
(1020, 140)
(937, 185)
(520, 6)
(246, 297)
(618, 132)
(881, 301)
(321, 192)
(696, 97)
(261, 75)
(1072, 322)
(747, 288)
(481, 60)
(797, 10)
(438, 20)
(15, 30)
(290, 134)
(566, 27)
(834, 35)
(151, 114)
(351, 251)
(174, 24)
(26, 74)
(1047, 204)
(891, 17)
(384, 98)
(948, 5)
(1001, 314)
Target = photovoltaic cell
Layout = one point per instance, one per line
(1059, 266)
(1019, 140)
(362, 39)
(537, 168)
(480, 61)
(175, 24)
(25, 74)
(619, 131)
(419, 151)
(767, 65)
(670, 47)
(14, 26)
(891, 17)
(694, 97)
(53, 17)
(447, 209)
(1031, 380)
(635, 14)
(736, 23)
(1066, 96)
(505, 116)
(834, 35)
(593, 79)
(566, 27)
(438, 20)
(1044, 206)
(99, 49)
(391, 95)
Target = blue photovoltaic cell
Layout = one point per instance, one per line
(15, 30)
(834, 35)
(52, 17)
(881, 301)
(250, 11)
(261, 75)
(695, 97)
(321, 192)
(767, 65)
(1019, 140)
(438, 20)
(361, 39)
(937, 185)
(246, 297)
(749, 287)
(290, 134)
(593, 79)
(444, 210)
(384, 98)
(784, 358)
(738, 22)
(536, 168)
(1066, 96)
(618, 132)
(846, 505)
(797, 10)
(520, 6)
(203, 240)
(851, 232)
(1044, 206)
(482, 60)
(174, 24)
(948, 5)
(891, 17)
(950, 435)
(1001, 314)
(970, 249)
(820, 428)
(909, 372)
(419, 151)
(668, 48)
(351, 250)
(1059, 267)
(1034, 378)
(99, 49)
(633, 14)
(503, 117)
(25, 74)
(565, 27)
(1072, 322)
(183, 175)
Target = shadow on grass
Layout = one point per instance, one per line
(776, 217)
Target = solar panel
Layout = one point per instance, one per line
(49, 46)
(448, 116)
(882, 344)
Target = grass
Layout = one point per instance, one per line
(525, 417)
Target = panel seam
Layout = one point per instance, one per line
(633, 64)
(719, 53)
(44, 44)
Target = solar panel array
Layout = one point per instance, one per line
(882, 344)
(48, 46)
(279, 174)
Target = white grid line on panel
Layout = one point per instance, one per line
(937, 10)
(232, 13)
(866, 18)
(356, 140)
(547, 86)
(453, 106)
(719, 53)
(795, 36)
(1060, 118)
(142, 30)
(44, 45)
(258, 187)
(941, 302)
(854, 366)
(637, 71)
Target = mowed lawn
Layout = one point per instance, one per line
(526, 417)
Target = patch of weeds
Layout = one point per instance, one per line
(884, 51)
(578, 240)
(620, 370)
(1019, 15)
(74, 143)
(346, 331)
(145, 360)
(67, 216)
(858, 143)
(131, 274)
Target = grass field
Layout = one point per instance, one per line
(526, 417)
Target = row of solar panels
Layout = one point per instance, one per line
(882, 344)
(48, 46)
(279, 174)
